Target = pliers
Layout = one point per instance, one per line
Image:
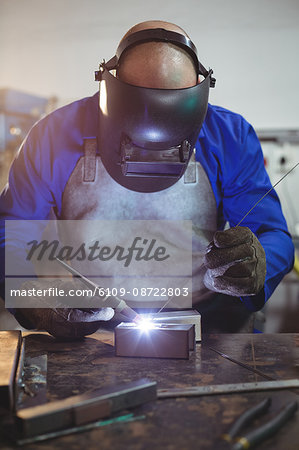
(257, 435)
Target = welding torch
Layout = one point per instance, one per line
(118, 304)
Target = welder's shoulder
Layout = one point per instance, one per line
(223, 114)
(223, 123)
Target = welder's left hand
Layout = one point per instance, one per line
(236, 263)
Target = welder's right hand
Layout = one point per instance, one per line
(62, 322)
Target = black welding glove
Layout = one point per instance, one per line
(236, 263)
(62, 322)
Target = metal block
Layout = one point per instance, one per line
(80, 409)
(158, 341)
(187, 316)
(10, 344)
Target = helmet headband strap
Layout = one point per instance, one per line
(162, 35)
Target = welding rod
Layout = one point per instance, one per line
(118, 304)
(268, 192)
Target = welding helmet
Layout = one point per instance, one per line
(147, 135)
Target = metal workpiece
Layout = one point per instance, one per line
(82, 409)
(190, 316)
(154, 341)
(10, 347)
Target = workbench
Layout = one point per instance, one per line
(175, 423)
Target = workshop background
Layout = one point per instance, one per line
(50, 49)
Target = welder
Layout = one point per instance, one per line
(159, 152)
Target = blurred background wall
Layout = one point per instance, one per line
(49, 50)
(52, 47)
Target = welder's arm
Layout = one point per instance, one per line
(26, 197)
(241, 186)
(37, 179)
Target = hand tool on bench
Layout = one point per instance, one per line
(262, 432)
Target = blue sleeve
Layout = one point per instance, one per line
(26, 197)
(239, 179)
(38, 177)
